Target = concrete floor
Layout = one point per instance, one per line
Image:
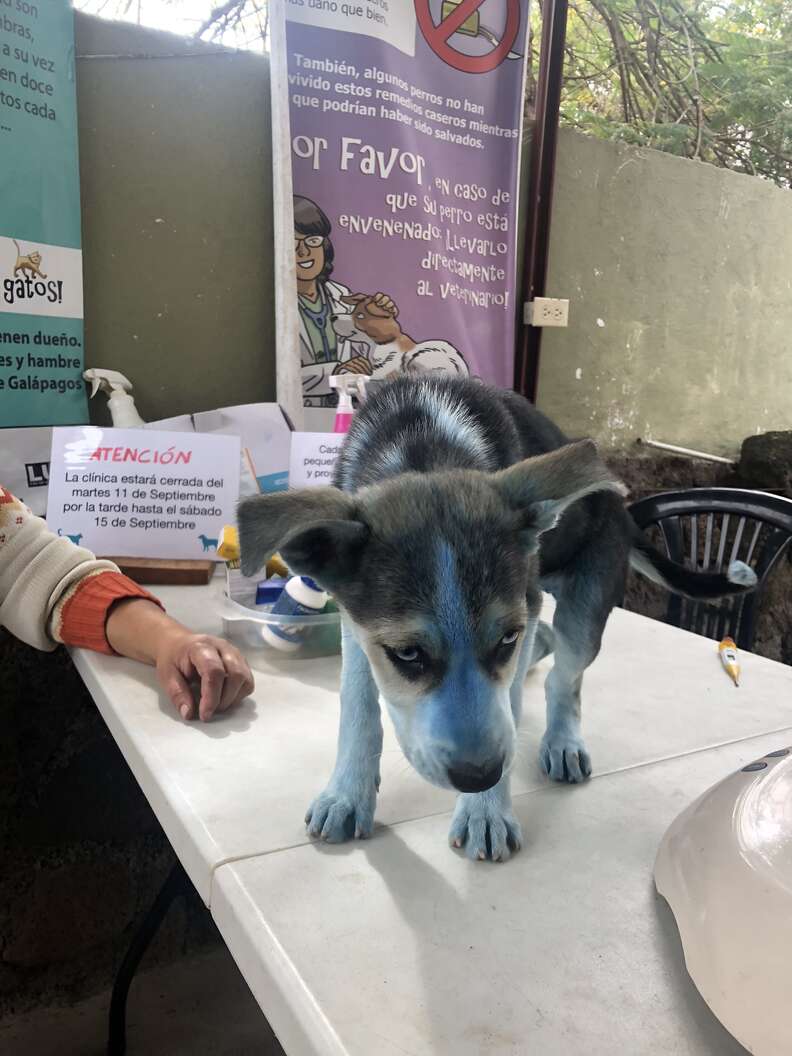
(197, 1007)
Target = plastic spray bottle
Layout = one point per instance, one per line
(118, 388)
(348, 385)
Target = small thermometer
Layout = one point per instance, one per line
(728, 654)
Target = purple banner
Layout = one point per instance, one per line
(406, 119)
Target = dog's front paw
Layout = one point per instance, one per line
(337, 815)
(485, 827)
(564, 757)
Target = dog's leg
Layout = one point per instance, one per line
(543, 643)
(346, 807)
(528, 657)
(584, 600)
(485, 825)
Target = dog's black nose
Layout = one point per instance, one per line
(465, 777)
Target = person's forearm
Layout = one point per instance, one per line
(138, 628)
(52, 591)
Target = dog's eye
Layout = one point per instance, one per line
(410, 661)
(504, 650)
(408, 655)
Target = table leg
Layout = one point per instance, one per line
(177, 883)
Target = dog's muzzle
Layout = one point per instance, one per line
(466, 777)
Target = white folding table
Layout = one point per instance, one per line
(399, 944)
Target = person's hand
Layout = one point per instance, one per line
(138, 628)
(216, 668)
(386, 303)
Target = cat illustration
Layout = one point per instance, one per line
(28, 262)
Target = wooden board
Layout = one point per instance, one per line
(151, 571)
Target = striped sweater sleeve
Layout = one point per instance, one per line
(80, 614)
(51, 590)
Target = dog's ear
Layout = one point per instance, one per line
(315, 530)
(540, 489)
(328, 551)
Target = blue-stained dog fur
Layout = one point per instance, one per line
(454, 505)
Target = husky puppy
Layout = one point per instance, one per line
(454, 506)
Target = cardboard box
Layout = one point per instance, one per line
(265, 434)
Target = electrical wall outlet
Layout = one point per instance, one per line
(547, 311)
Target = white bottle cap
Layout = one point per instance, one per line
(307, 593)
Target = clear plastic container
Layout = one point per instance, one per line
(246, 624)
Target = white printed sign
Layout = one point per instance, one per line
(313, 458)
(142, 493)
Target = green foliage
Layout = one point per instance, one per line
(707, 79)
(701, 79)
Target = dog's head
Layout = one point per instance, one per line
(366, 320)
(436, 575)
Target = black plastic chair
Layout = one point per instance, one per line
(707, 529)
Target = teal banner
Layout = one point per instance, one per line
(41, 299)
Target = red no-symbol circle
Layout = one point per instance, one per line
(437, 34)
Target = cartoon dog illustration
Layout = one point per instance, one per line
(389, 349)
(208, 544)
(28, 262)
(74, 538)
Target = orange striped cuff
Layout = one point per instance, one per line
(85, 608)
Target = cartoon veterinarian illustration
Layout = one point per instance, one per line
(319, 298)
(342, 332)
